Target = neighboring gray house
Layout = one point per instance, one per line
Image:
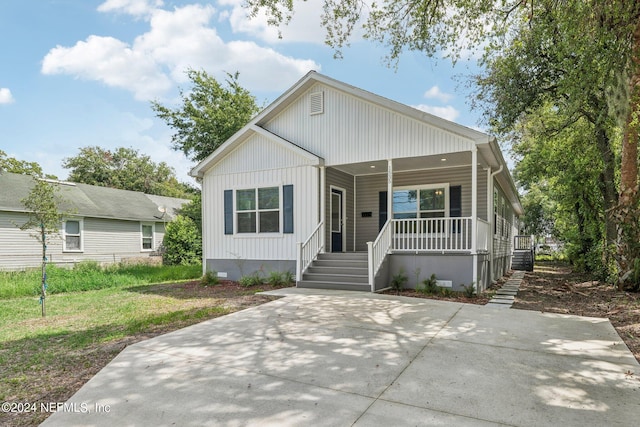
(347, 188)
(104, 224)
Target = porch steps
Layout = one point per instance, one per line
(347, 271)
(522, 260)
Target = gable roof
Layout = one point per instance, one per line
(487, 145)
(305, 83)
(91, 200)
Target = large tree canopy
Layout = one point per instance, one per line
(13, 165)
(210, 114)
(126, 169)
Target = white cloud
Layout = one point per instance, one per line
(110, 61)
(436, 93)
(130, 7)
(448, 112)
(176, 40)
(5, 96)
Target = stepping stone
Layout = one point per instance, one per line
(503, 292)
(503, 306)
(500, 301)
(503, 298)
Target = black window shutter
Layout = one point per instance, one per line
(287, 206)
(455, 201)
(228, 211)
(455, 206)
(382, 209)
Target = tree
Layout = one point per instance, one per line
(13, 165)
(182, 242)
(126, 169)
(45, 218)
(210, 114)
(551, 91)
(577, 58)
(563, 191)
(193, 210)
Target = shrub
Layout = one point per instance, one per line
(251, 280)
(210, 278)
(429, 286)
(398, 281)
(469, 291)
(279, 278)
(182, 242)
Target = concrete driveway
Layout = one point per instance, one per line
(343, 359)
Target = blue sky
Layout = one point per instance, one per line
(77, 73)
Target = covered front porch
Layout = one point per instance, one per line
(430, 206)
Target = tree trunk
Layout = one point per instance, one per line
(628, 233)
(609, 192)
(43, 284)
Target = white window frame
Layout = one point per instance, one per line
(80, 222)
(257, 211)
(445, 186)
(153, 236)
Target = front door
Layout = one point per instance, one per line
(337, 222)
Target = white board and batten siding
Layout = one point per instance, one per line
(352, 130)
(256, 163)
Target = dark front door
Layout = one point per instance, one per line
(337, 222)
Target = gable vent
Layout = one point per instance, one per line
(316, 105)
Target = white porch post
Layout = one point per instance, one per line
(323, 208)
(474, 214)
(474, 200)
(490, 221)
(389, 189)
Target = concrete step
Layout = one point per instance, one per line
(360, 256)
(346, 263)
(346, 270)
(343, 270)
(342, 286)
(321, 277)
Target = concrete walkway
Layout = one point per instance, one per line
(320, 358)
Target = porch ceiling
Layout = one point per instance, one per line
(448, 160)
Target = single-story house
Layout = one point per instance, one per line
(101, 224)
(347, 189)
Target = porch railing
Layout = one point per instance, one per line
(523, 243)
(309, 250)
(437, 235)
(378, 250)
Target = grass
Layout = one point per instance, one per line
(87, 276)
(48, 359)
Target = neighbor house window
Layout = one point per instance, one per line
(425, 202)
(258, 210)
(147, 237)
(72, 241)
